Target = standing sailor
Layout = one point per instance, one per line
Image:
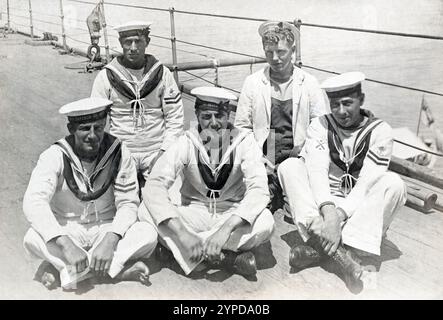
(278, 102)
(147, 114)
(340, 190)
(224, 192)
(82, 202)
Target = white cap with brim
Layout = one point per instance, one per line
(86, 109)
(212, 98)
(213, 94)
(276, 25)
(132, 26)
(345, 83)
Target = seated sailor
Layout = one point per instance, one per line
(339, 190)
(222, 215)
(82, 202)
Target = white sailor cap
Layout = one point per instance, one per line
(213, 98)
(133, 26)
(89, 109)
(343, 84)
(277, 26)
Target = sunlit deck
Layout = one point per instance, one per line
(34, 84)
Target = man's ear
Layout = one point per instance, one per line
(362, 98)
(148, 39)
(71, 127)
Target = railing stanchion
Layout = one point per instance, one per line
(173, 42)
(297, 24)
(216, 78)
(105, 31)
(62, 17)
(9, 17)
(30, 19)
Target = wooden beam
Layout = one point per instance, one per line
(416, 171)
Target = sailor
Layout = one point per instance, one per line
(222, 215)
(82, 202)
(339, 190)
(278, 102)
(147, 113)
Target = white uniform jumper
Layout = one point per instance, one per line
(147, 113)
(347, 167)
(62, 199)
(238, 185)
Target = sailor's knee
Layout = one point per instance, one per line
(31, 240)
(143, 213)
(145, 231)
(395, 186)
(265, 223)
(290, 165)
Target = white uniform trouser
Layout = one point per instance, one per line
(143, 162)
(366, 227)
(198, 220)
(138, 242)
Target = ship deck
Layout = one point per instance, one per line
(34, 84)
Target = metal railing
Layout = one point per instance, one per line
(211, 63)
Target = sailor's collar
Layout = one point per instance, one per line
(297, 75)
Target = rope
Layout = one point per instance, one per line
(392, 33)
(418, 148)
(199, 77)
(252, 56)
(122, 5)
(219, 49)
(380, 82)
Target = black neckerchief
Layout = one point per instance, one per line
(149, 85)
(361, 149)
(216, 183)
(113, 161)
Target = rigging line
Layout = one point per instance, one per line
(47, 22)
(122, 5)
(392, 33)
(219, 49)
(380, 82)
(418, 148)
(181, 50)
(319, 69)
(198, 77)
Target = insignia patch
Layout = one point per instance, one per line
(171, 92)
(320, 145)
(382, 151)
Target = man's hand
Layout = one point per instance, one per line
(315, 226)
(102, 255)
(331, 232)
(295, 152)
(159, 154)
(191, 243)
(270, 168)
(214, 244)
(75, 256)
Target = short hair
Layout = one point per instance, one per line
(280, 32)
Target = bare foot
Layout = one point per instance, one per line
(137, 272)
(48, 275)
(48, 280)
